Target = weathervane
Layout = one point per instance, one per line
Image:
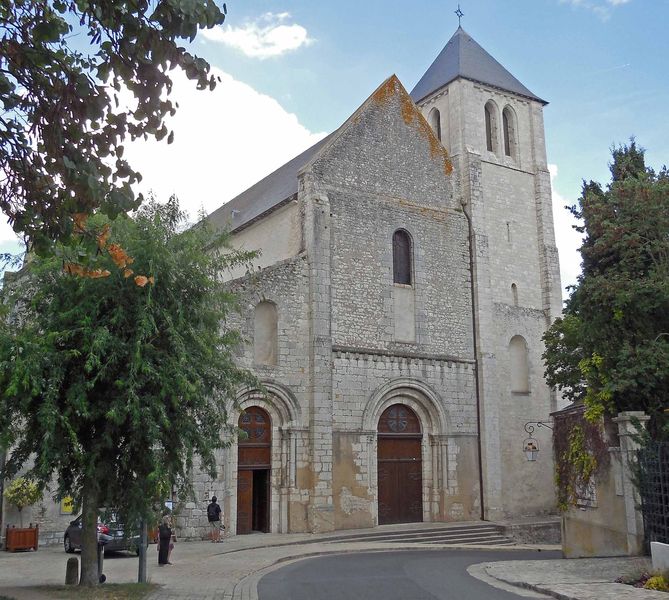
(460, 14)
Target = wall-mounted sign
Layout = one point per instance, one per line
(67, 505)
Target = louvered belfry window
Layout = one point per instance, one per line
(401, 257)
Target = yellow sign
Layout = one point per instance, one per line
(67, 505)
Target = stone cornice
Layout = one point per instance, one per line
(367, 353)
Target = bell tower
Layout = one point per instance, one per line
(493, 129)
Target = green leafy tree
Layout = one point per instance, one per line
(610, 349)
(113, 385)
(62, 126)
(22, 492)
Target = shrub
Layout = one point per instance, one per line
(658, 582)
(22, 492)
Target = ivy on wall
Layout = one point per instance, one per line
(581, 453)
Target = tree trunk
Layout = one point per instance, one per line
(89, 536)
(143, 545)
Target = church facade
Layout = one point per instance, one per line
(394, 317)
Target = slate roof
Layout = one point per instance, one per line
(463, 57)
(264, 195)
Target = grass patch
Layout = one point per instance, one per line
(107, 591)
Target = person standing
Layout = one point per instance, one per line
(165, 544)
(214, 517)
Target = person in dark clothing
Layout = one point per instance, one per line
(214, 517)
(165, 545)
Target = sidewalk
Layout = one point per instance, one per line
(576, 579)
(231, 570)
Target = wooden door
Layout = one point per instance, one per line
(254, 459)
(244, 501)
(400, 467)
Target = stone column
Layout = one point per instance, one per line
(316, 208)
(628, 448)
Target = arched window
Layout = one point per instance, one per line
(520, 370)
(402, 257)
(491, 126)
(265, 334)
(509, 127)
(434, 119)
(514, 294)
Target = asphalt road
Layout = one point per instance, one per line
(403, 575)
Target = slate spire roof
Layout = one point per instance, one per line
(463, 57)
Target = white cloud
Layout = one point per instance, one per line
(268, 36)
(225, 141)
(602, 8)
(6, 232)
(567, 239)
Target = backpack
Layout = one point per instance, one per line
(213, 511)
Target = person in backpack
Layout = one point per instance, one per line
(214, 517)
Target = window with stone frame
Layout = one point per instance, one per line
(402, 257)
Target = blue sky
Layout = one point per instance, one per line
(294, 70)
(600, 64)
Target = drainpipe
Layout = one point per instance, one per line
(476, 353)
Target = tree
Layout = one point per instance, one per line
(111, 386)
(62, 127)
(610, 349)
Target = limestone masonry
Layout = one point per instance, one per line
(408, 271)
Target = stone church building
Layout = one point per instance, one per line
(408, 272)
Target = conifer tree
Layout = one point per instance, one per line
(610, 349)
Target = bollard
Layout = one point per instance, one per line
(101, 557)
(72, 571)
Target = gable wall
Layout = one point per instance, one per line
(381, 175)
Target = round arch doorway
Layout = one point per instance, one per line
(254, 466)
(400, 466)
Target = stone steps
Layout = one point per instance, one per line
(463, 535)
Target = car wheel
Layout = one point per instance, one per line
(67, 544)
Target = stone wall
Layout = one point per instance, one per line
(607, 520)
(284, 284)
(277, 236)
(508, 199)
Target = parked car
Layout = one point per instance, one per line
(111, 534)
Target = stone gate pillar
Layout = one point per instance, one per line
(628, 448)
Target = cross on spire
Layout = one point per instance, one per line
(460, 14)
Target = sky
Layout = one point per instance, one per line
(294, 70)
